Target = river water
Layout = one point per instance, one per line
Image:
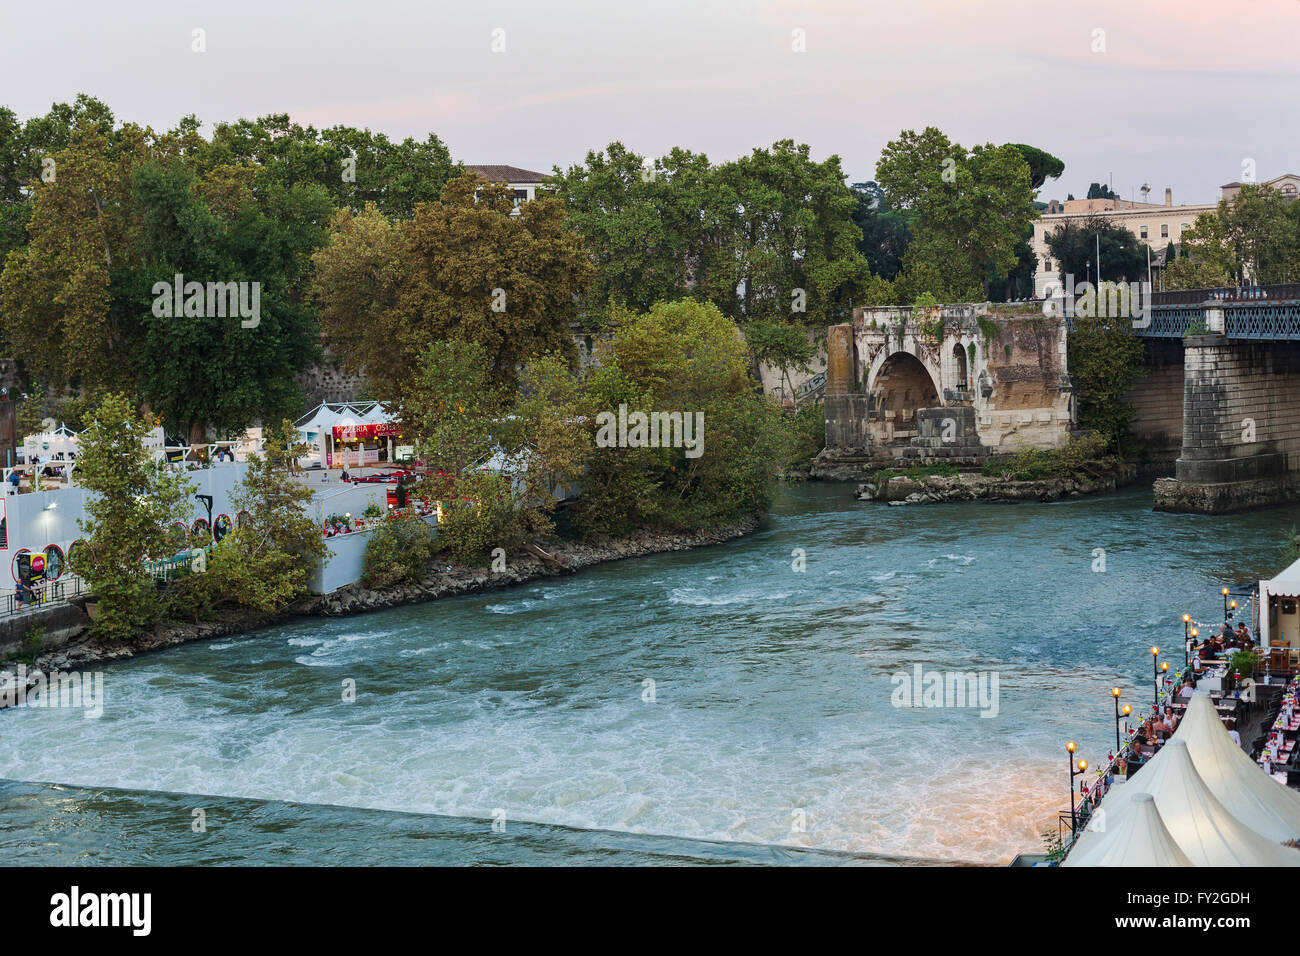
(770, 731)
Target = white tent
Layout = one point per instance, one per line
(1285, 585)
(1248, 793)
(1139, 839)
(1203, 829)
(51, 443)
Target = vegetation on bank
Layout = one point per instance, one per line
(1086, 457)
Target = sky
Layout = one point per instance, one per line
(1174, 93)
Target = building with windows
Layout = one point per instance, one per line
(1156, 225)
(524, 183)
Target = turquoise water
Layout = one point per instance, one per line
(772, 731)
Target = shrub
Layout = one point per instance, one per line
(1083, 457)
(398, 552)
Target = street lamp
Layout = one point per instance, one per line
(1155, 675)
(1187, 637)
(1224, 592)
(1164, 670)
(1082, 766)
(1114, 692)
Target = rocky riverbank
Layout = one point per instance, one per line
(441, 581)
(904, 490)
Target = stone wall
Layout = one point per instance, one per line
(328, 382)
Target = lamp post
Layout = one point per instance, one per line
(1187, 637)
(1224, 592)
(1125, 712)
(1082, 766)
(1164, 672)
(1155, 675)
(1114, 692)
(1232, 606)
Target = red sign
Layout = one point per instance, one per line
(358, 432)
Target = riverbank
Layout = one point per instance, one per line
(971, 486)
(441, 581)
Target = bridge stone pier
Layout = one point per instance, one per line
(1241, 426)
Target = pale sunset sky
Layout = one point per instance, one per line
(1182, 93)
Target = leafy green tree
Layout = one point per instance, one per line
(464, 268)
(209, 370)
(267, 561)
(132, 504)
(968, 208)
(1100, 191)
(653, 228)
(681, 356)
(784, 347)
(355, 167)
(1075, 244)
(885, 231)
(1105, 358)
(1042, 165)
(1254, 237)
(398, 552)
(794, 243)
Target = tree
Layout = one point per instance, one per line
(56, 291)
(784, 347)
(132, 504)
(1104, 358)
(1254, 237)
(1100, 191)
(653, 228)
(1042, 165)
(267, 561)
(1074, 245)
(355, 167)
(218, 369)
(794, 244)
(968, 209)
(885, 231)
(464, 268)
(689, 358)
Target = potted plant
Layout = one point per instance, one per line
(1241, 664)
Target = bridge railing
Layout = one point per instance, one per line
(1249, 293)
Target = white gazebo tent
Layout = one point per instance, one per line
(1201, 826)
(1249, 794)
(1139, 839)
(50, 444)
(1279, 609)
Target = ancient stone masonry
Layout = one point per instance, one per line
(1241, 426)
(953, 383)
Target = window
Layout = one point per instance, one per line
(1142, 233)
(1164, 230)
(1047, 265)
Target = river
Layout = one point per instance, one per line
(770, 732)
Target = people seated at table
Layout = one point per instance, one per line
(1232, 731)
(1187, 690)
(1244, 637)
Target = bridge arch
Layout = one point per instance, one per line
(899, 384)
